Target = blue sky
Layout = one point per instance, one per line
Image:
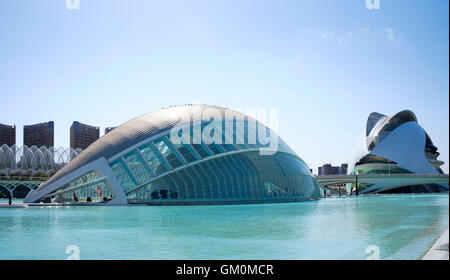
(324, 64)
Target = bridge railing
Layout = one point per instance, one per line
(382, 175)
(24, 178)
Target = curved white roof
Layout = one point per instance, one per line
(139, 129)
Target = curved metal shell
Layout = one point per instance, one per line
(138, 162)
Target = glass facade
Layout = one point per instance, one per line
(161, 172)
(155, 164)
(218, 162)
(123, 175)
(242, 177)
(87, 188)
(168, 154)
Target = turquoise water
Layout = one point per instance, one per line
(402, 226)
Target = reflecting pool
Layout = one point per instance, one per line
(400, 226)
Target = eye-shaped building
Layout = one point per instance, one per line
(398, 145)
(192, 154)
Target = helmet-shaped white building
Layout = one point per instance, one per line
(222, 160)
(398, 145)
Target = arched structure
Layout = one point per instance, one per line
(192, 154)
(18, 188)
(33, 161)
(23, 169)
(398, 145)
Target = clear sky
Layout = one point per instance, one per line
(324, 64)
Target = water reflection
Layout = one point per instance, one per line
(403, 226)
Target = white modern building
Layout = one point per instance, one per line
(397, 145)
(220, 160)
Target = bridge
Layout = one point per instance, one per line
(24, 168)
(19, 186)
(382, 182)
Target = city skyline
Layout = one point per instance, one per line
(86, 136)
(82, 135)
(102, 66)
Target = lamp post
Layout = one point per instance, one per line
(357, 184)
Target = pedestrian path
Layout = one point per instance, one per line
(439, 251)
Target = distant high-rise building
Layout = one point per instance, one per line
(7, 134)
(108, 129)
(328, 169)
(83, 135)
(41, 134)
